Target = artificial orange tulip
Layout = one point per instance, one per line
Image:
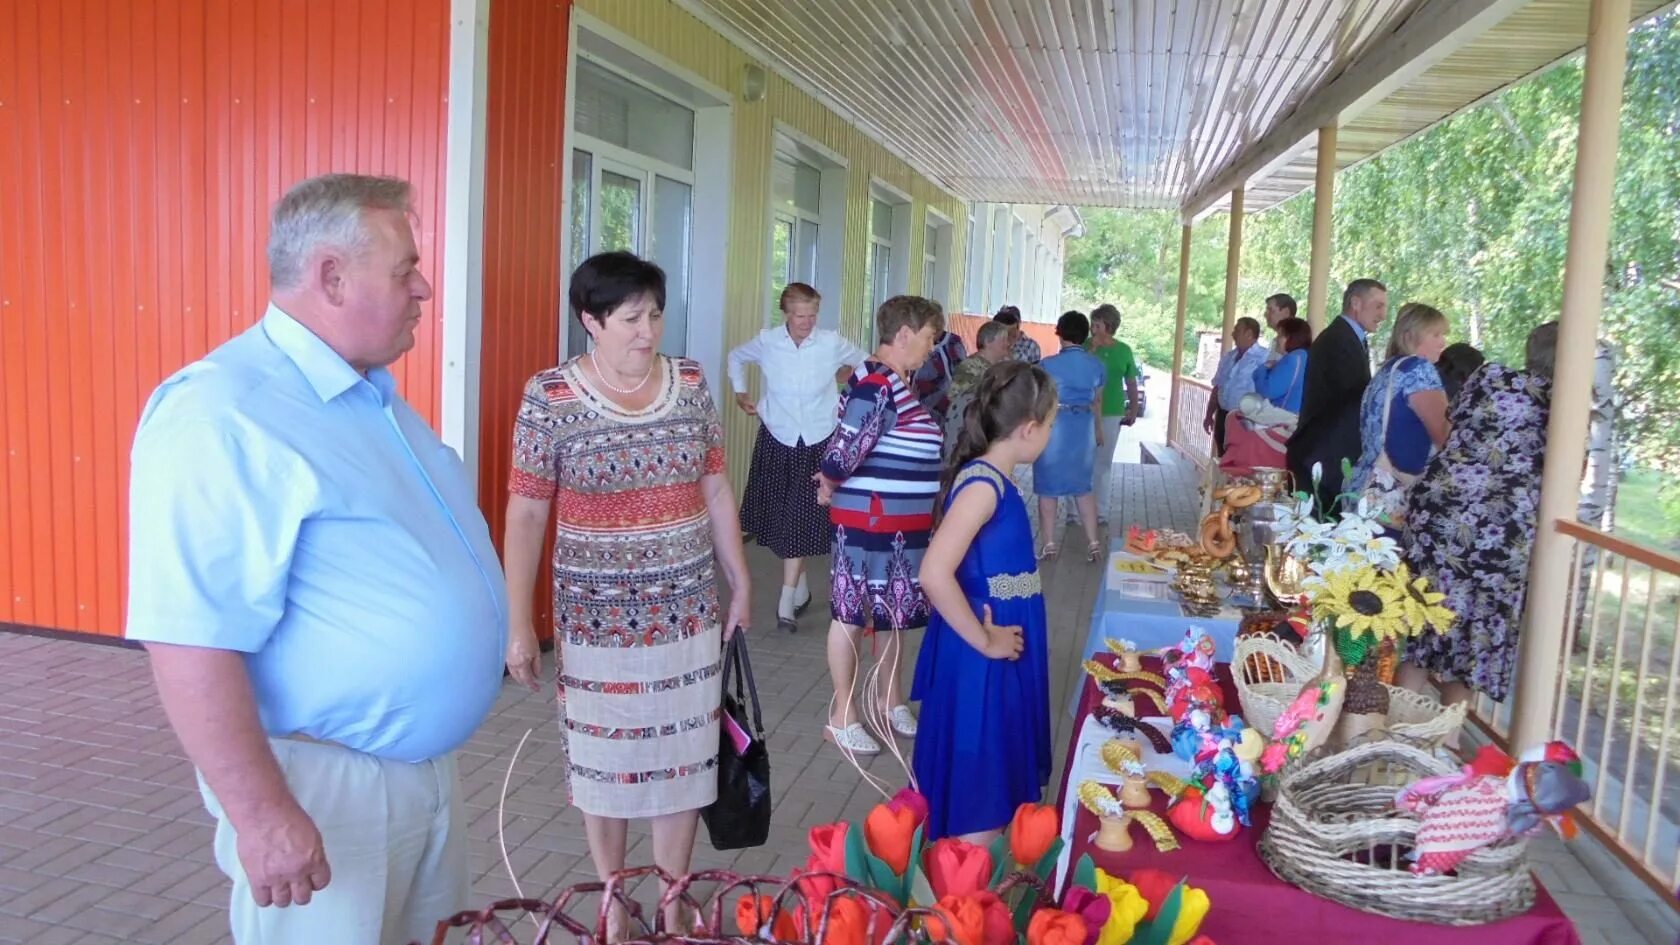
(852, 921)
(960, 919)
(750, 915)
(1031, 833)
(957, 868)
(815, 889)
(1000, 924)
(889, 834)
(1055, 927)
(828, 848)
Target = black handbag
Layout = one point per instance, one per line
(740, 817)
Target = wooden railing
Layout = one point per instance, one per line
(1187, 433)
(1616, 700)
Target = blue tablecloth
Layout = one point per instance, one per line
(1151, 624)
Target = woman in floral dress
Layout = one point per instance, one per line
(1470, 524)
(879, 478)
(624, 448)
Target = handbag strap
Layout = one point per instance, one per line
(738, 665)
(1388, 409)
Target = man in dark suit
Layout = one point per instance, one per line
(1338, 369)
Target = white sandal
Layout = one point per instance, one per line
(902, 721)
(854, 739)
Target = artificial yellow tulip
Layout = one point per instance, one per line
(1128, 907)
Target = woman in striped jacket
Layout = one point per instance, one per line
(879, 477)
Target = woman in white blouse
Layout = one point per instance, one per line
(802, 367)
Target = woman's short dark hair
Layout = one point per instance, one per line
(607, 280)
(1008, 315)
(1541, 353)
(1073, 328)
(1457, 362)
(1296, 334)
(907, 311)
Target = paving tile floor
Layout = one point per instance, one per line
(103, 838)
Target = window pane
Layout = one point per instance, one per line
(808, 189)
(782, 173)
(869, 279)
(673, 226)
(929, 275)
(883, 272)
(609, 107)
(621, 212)
(930, 239)
(805, 259)
(582, 164)
(781, 261)
(577, 340)
(880, 220)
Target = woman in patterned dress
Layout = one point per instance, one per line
(624, 447)
(879, 478)
(1470, 524)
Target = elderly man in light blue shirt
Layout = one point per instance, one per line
(317, 589)
(1234, 378)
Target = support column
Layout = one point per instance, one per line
(1539, 657)
(1233, 262)
(1323, 231)
(1175, 400)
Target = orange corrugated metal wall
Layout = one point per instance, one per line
(524, 281)
(141, 146)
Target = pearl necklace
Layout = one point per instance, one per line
(609, 384)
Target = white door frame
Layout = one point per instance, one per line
(461, 308)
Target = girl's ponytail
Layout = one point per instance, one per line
(1009, 394)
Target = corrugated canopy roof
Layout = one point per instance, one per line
(1147, 103)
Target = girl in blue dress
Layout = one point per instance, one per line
(983, 676)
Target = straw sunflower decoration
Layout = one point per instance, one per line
(1423, 606)
(1366, 606)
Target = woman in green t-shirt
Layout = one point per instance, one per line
(1120, 403)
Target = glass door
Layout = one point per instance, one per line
(618, 206)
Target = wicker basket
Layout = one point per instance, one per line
(1337, 837)
(1269, 674)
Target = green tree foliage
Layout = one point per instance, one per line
(1471, 216)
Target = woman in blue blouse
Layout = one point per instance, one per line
(1067, 466)
(1282, 381)
(1403, 417)
(1257, 434)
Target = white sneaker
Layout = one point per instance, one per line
(902, 721)
(854, 739)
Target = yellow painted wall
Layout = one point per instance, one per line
(678, 36)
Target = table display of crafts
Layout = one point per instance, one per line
(1215, 548)
(1362, 604)
(1214, 802)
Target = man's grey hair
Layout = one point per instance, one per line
(990, 332)
(327, 211)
